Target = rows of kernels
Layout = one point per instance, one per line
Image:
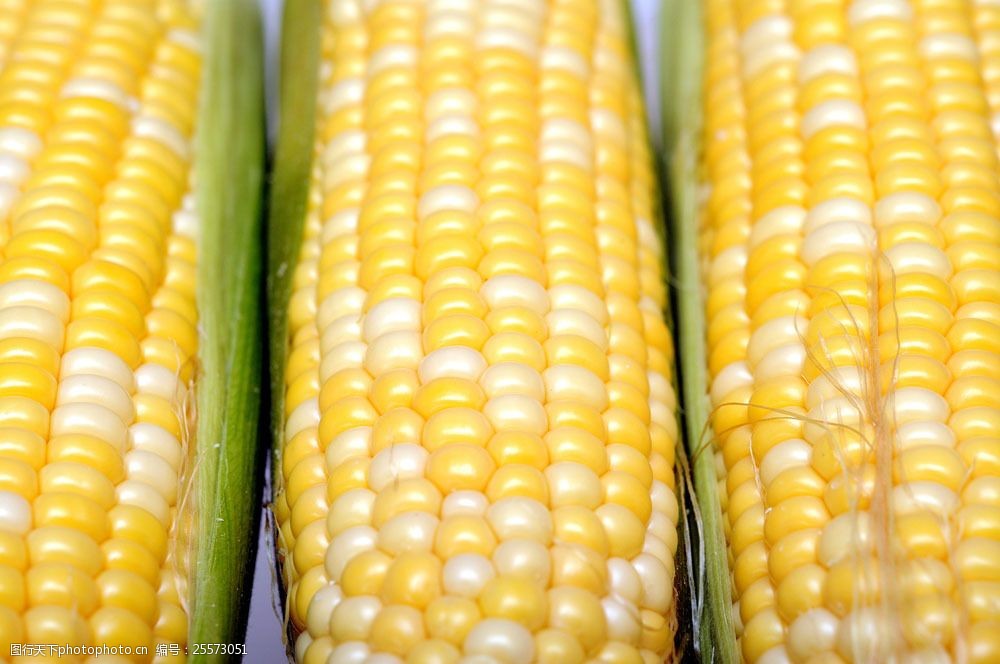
(58, 212)
(90, 225)
(466, 442)
(155, 173)
(916, 504)
(463, 304)
(152, 175)
(573, 482)
(317, 504)
(493, 585)
(378, 386)
(901, 146)
(478, 351)
(302, 431)
(776, 126)
(986, 19)
(158, 441)
(907, 216)
(38, 62)
(34, 314)
(962, 253)
(838, 253)
(655, 566)
(911, 244)
(29, 87)
(724, 227)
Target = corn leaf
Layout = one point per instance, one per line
(227, 468)
(682, 66)
(288, 199)
(299, 80)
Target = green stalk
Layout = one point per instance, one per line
(683, 62)
(230, 173)
(299, 79)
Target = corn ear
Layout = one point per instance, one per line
(845, 201)
(131, 157)
(446, 483)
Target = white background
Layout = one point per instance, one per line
(264, 634)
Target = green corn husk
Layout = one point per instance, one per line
(288, 198)
(682, 64)
(299, 76)
(227, 469)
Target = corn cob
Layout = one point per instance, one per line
(850, 243)
(99, 325)
(478, 429)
